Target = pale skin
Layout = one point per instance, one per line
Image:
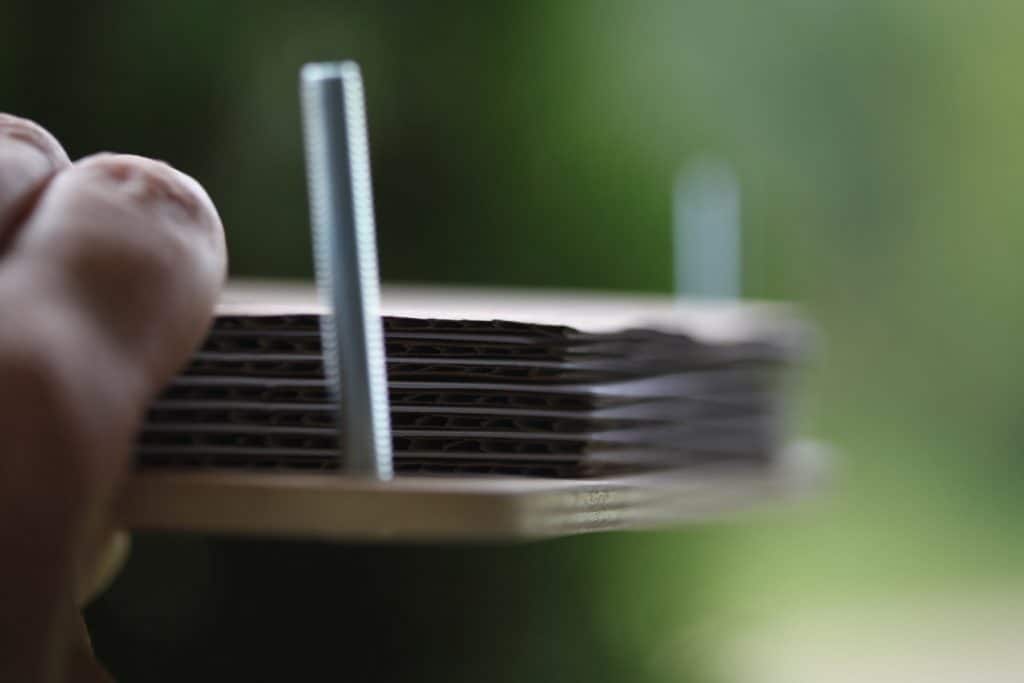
(109, 270)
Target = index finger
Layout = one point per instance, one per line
(29, 157)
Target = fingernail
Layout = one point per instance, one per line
(151, 182)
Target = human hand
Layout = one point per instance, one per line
(109, 271)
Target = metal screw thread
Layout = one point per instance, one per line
(345, 255)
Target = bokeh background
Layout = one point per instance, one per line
(879, 148)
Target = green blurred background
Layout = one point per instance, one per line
(879, 147)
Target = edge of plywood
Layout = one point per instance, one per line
(329, 506)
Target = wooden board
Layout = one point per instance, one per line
(422, 508)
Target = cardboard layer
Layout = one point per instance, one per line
(476, 395)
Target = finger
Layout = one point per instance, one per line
(29, 156)
(135, 250)
(102, 567)
(106, 288)
(100, 570)
(82, 666)
(105, 291)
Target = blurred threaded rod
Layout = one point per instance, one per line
(345, 254)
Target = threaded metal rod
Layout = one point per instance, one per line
(345, 254)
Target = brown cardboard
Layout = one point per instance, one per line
(526, 387)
